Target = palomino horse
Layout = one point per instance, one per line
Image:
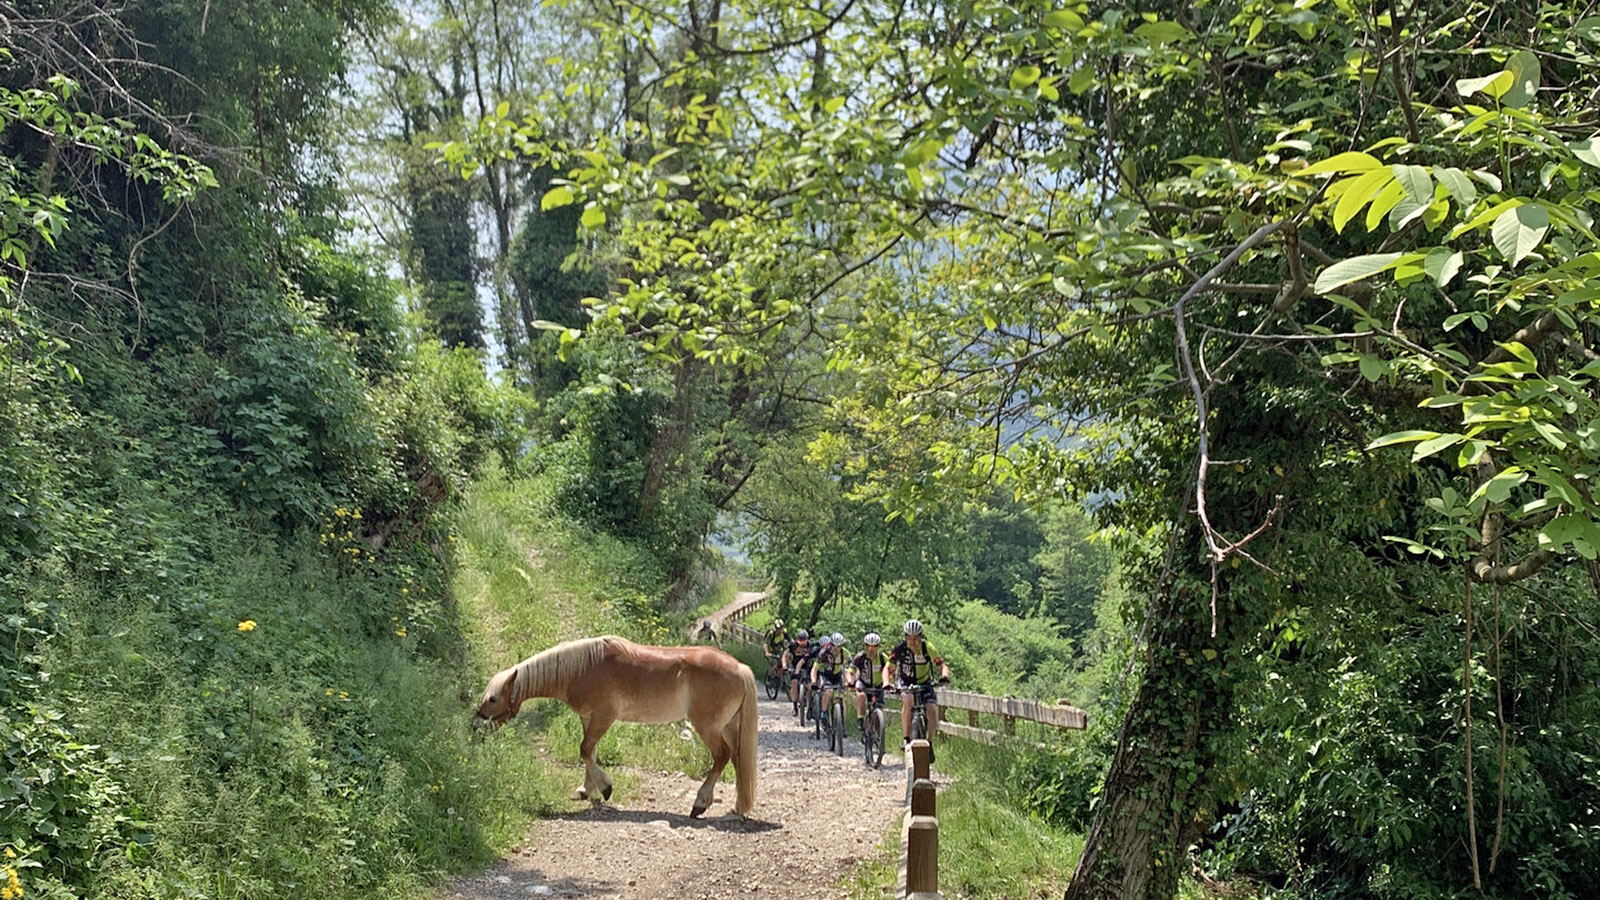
(610, 679)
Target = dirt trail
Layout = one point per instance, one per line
(816, 814)
(717, 621)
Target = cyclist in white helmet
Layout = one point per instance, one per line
(866, 671)
(797, 660)
(777, 638)
(913, 659)
(827, 668)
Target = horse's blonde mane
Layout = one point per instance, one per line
(551, 672)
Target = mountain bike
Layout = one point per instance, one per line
(814, 709)
(803, 706)
(774, 677)
(872, 728)
(918, 696)
(836, 722)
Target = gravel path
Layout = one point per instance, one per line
(816, 815)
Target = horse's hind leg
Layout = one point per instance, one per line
(721, 752)
(596, 783)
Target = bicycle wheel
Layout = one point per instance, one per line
(875, 741)
(772, 685)
(838, 726)
(816, 715)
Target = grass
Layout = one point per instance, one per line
(989, 848)
(333, 721)
(528, 578)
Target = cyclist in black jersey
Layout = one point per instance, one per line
(866, 671)
(827, 668)
(796, 658)
(777, 638)
(913, 661)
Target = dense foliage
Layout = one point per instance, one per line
(223, 604)
(1226, 368)
(1200, 266)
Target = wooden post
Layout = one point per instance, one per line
(920, 750)
(972, 718)
(923, 796)
(922, 855)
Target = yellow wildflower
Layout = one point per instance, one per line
(247, 625)
(400, 631)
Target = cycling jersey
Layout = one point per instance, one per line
(829, 662)
(776, 639)
(869, 668)
(915, 668)
(799, 656)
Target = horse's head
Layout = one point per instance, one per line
(500, 701)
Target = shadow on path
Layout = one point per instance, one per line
(608, 813)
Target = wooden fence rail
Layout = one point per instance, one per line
(919, 833)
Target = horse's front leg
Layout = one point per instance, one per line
(596, 783)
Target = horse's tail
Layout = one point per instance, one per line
(744, 745)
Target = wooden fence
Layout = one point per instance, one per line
(725, 622)
(919, 832)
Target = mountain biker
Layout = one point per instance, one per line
(773, 646)
(827, 670)
(913, 660)
(795, 658)
(866, 671)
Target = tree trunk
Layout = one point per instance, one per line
(671, 439)
(1156, 798)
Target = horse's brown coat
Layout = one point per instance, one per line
(611, 679)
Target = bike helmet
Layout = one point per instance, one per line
(838, 639)
(801, 635)
(913, 627)
(872, 639)
(778, 623)
(827, 639)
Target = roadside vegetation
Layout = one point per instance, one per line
(1226, 370)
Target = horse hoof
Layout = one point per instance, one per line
(606, 793)
(697, 812)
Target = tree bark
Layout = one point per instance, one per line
(671, 439)
(1154, 803)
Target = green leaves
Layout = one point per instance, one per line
(1494, 86)
(1498, 489)
(1518, 231)
(1343, 163)
(1523, 67)
(556, 197)
(1587, 150)
(1515, 85)
(1354, 269)
(1064, 19)
(1357, 192)
(1162, 32)
(1024, 76)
